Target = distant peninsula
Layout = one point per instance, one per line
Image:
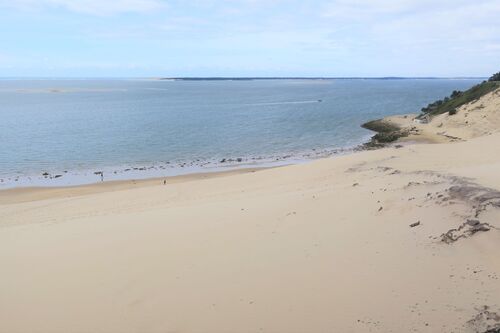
(222, 78)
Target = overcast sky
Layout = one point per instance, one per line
(87, 38)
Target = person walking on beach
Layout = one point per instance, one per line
(164, 182)
(102, 176)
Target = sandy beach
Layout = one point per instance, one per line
(401, 239)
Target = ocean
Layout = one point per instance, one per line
(65, 132)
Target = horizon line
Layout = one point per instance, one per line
(193, 78)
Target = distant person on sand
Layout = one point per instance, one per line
(102, 176)
(164, 182)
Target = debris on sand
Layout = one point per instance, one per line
(479, 198)
(467, 229)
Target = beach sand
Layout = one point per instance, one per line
(326, 246)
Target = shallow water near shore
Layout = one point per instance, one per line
(65, 132)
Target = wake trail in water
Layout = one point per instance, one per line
(284, 103)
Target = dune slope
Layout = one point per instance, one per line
(472, 120)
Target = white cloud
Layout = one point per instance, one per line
(93, 7)
(362, 9)
(372, 9)
(467, 22)
(423, 22)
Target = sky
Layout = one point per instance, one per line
(172, 38)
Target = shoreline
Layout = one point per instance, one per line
(157, 170)
(395, 131)
(217, 171)
(25, 194)
(21, 194)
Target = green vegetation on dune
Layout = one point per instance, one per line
(458, 98)
(388, 132)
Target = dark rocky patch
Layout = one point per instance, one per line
(479, 196)
(486, 321)
(465, 230)
(380, 126)
(386, 133)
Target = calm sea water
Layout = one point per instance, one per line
(142, 128)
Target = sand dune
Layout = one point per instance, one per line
(479, 118)
(394, 240)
